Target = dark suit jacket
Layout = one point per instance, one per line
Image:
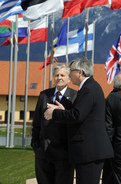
(113, 120)
(88, 139)
(44, 129)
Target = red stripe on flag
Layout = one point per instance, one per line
(115, 4)
(111, 75)
(37, 35)
(5, 23)
(74, 7)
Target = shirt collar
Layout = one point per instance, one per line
(83, 82)
(62, 91)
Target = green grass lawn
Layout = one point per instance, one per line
(16, 165)
(17, 131)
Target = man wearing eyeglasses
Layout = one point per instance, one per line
(89, 143)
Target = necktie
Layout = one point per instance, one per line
(57, 96)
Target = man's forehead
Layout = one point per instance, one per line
(60, 70)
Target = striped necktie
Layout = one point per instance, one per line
(57, 96)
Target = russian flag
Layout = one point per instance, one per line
(38, 29)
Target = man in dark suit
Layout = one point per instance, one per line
(49, 139)
(112, 167)
(89, 143)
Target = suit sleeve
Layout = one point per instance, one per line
(81, 108)
(36, 125)
(109, 119)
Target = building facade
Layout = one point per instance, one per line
(35, 86)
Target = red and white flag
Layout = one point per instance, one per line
(39, 33)
(74, 7)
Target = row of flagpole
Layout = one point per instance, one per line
(54, 7)
(11, 141)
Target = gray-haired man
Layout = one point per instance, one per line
(49, 139)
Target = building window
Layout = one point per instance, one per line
(22, 98)
(0, 116)
(21, 114)
(31, 115)
(33, 86)
(7, 98)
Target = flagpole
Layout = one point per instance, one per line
(86, 28)
(93, 42)
(10, 85)
(67, 43)
(45, 55)
(14, 84)
(26, 88)
(51, 60)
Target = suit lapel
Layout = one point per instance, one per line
(66, 99)
(51, 95)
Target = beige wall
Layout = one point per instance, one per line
(19, 107)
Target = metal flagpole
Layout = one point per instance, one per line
(26, 88)
(10, 85)
(14, 84)
(93, 42)
(67, 43)
(86, 28)
(51, 61)
(45, 55)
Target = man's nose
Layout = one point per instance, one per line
(59, 77)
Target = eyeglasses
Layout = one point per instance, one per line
(73, 70)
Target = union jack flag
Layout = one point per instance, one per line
(113, 62)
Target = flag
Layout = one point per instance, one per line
(74, 7)
(26, 3)
(48, 60)
(38, 29)
(43, 8)
(115, 4)
(5, 27)
(113, 62)
(1, 2)
(10, 7)
(76, 41)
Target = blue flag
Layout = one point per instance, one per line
(76, 41)
(10, 7)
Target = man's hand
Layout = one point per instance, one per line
(58, 106)
(48, 113)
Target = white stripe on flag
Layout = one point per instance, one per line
(38, 10)
(41, 23)
(61, 50)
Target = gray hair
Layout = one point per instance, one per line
(117, 81)
(59, 66)
(83, 64)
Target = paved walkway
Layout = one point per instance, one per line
(34, 181)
